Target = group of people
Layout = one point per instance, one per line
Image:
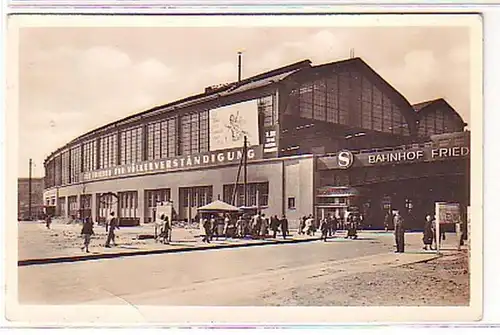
(242, 226)
(87, 231)
(329, 225)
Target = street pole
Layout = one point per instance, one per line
(29, 192)
(245, 170)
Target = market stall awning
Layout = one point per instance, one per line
(218, 205)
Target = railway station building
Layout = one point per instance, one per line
(321, 139)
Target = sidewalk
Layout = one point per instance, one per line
(62, 243)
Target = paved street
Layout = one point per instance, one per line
(241, 276)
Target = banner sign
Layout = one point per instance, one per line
(270, 145)
(230, 124)
(449, 213)
(389, 157)
(195, 161)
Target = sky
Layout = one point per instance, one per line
(73, 80)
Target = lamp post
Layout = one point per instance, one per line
(29, 191)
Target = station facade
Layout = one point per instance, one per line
(321, 139)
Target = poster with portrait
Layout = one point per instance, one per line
(230, 124)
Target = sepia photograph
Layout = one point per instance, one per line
(247, 162)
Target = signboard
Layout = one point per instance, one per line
(229, 125)
(345, 159)
(270, 145)
(195, 161)
(390, 157)
(166, 209)
(449, 213)
(446, 213)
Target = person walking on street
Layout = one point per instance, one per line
(284, 226)
(240, 226)
(275, 223)
(48, 221)
(213, 226)
(87, 232)
(309, 225)
(167, 230)
(399, 232)
(302, 225)
(113, 224)
(428, 233)
(324, 227)
(207, 226)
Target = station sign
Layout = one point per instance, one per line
(181, 163)
(345, 159)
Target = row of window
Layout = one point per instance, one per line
(185, 135)
(349, 99)
(438, 123)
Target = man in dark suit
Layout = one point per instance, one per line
(284, 226)
(399, 232)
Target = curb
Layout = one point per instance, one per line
(71, 259)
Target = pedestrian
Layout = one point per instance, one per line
(309, 225)
(48, 221)
(388, 218)
(302, 225)
(284, 226)
(428, 233)
(87, 232)
(113, 224)
(207, 226)
(167, 230)
(459, 232)
(399, 232)
(264, 226)
(240, 226)
(257, 224)
(330, 220)
(352, 226)
(213, 226)
(275, 223)
(334, 225)
(227, 225)
(325, 228)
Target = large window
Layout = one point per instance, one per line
(128, 204)
(49, 173)
(65, 167)
(267, 107)
(108, 151)
(193, 127)
(348, 98)
(255, 192)
(58, 170)
(162, 139)
(195, 196)
(153, 197)
(76, 164)
(90, 156)
(131, 145)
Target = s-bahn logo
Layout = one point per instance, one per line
(345, 159)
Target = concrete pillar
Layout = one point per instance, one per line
(217, 192)
(93, 206)
(78, 205)
(141, 205)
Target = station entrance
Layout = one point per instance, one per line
(413, 189)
